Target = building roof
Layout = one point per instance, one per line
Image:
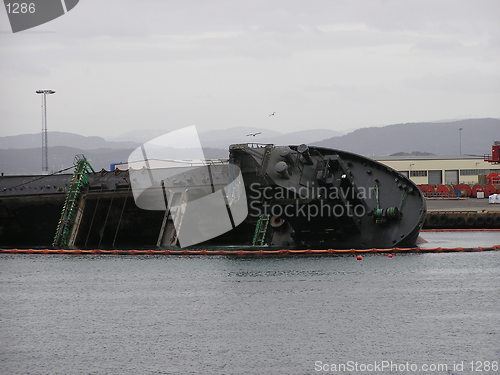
(430, 157)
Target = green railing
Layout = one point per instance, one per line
(259, 237)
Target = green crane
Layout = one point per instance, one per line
(78, 181)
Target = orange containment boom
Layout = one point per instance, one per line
(461, 230)
(252, 252)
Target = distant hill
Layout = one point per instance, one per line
(28, 161)
(222, 138)
(414, 153)
(303, 136)
(21, 154)
(23, 141)
(219, 138)
(439, 138)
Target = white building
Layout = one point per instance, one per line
(440, 169)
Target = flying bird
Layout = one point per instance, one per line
(272, 114)
(253, 134)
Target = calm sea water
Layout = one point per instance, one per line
(222, 315)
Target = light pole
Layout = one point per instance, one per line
(45, 151)
(460, 139)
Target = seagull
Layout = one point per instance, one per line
(272, 114)
(253, 134)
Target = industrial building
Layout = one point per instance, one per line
(437, 170)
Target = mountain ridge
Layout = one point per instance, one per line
(439, 138)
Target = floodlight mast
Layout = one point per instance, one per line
(45, 146)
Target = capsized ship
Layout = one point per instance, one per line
(263, 197)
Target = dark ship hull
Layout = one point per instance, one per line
(297, 197)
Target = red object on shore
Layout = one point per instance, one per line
(494, 178)
(389, 255)
(495, 154)
(465, 189)
(444, 191)
(359, 257)
(489, 190)
(477, 188)
(426, 189)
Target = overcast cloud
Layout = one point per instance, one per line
(122, 65)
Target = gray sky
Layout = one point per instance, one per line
(122, 65)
